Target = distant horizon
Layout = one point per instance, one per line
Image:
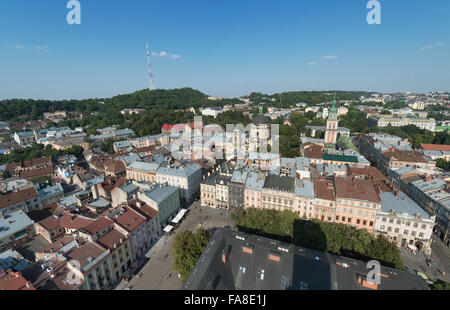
(213, 95)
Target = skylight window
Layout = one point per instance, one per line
(260, 274)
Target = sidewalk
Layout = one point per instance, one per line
(155, 248)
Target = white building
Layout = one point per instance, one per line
(186, 178)
(213, 111)
(403, 222)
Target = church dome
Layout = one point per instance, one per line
(261, 120)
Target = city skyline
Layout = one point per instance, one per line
(221, 49)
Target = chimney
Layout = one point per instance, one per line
(115, 245)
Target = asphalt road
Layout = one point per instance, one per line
(440, 256)
(158, 274)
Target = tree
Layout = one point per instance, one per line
(340, 239)
(440, 285)
(187, 248)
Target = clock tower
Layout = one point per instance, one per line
(331, 131)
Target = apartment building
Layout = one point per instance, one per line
(135, 225)
(119, 246)
(278, 193)
(186, 177)
(154, 226)
(304, 190)
(141, 171)
(208, 191)
(386, 120)
(357, 202)
(16, 228)
(323, 206)
(236, 189)
(165, 200)
(403, 222)
(24, 138)
(50, 228)
(26, 199)
(253, 189)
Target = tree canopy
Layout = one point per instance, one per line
(187, 248)
(339, 239)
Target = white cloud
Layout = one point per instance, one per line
(165, 54)
(431, 47)
(312, 63)
(330, 57)
(22, 47)
(16, 46)
(41, 48)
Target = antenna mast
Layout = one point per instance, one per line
(150, 74)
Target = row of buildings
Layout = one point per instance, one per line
(353, 195)
(414, 172)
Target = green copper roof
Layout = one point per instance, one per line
(333, 107)
(343, 158)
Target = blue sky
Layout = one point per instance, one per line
(224, 48)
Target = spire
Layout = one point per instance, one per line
(333, 107)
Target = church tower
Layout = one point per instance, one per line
(331, 131)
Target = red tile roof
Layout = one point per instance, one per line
(74, 222)
(112, 238)
(50, 223)
(129, 219)
(13, 281)
(16, 197)
(26, 174)
(435, 147)
(355, 189)
(43, 161)
(98, 225)
(324, 189)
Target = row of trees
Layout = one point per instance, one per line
(37, 151)
(187, 248)
(339, 239)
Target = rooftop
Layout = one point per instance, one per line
(284, 184)
(401, 204)
(258, 263)
(14, 223)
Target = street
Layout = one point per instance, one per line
(157, 273)
(440, 257)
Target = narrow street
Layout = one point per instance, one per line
(158, 274)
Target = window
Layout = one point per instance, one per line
(284, 283)
(303, 286)
(242, 268)
(424, 226)
(260, 274)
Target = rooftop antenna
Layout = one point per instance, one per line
(150, 74)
